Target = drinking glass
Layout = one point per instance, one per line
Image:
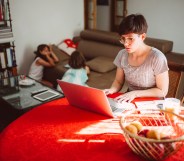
(171, 105)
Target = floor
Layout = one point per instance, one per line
(7, 115)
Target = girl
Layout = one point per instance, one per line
(78, 71)
(44, 58)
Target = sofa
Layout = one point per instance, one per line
(99, 48)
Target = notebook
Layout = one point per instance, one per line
(92, 99)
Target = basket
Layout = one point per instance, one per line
(165, 122)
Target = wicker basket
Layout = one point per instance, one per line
(170, 124)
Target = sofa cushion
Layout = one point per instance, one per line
(59, 53)
(101, 64)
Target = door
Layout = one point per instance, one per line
(118, 10)
(90, 14)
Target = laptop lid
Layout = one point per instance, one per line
(87, 98)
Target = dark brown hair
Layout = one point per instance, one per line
(77, 60)
(134, 23)
(40, 48)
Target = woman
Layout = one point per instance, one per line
(143, 67)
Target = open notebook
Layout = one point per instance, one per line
(93, 99)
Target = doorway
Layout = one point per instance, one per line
(104, 14)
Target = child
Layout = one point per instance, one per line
(78, 71)
(44, 58)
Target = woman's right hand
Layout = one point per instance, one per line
(109, 91)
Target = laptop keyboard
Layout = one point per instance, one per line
(118, 107)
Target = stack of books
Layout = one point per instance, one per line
(6, 34)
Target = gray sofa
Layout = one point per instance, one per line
(99, 48)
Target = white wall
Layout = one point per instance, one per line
(43, 21)
(51, 21)
(165, 19)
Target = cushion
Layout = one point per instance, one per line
(67, 46)
(101, 64)
(59, 53)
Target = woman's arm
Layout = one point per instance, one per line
(117, 83)
(161, 89)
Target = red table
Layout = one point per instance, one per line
(56, 131)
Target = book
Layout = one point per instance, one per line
(6, 35)
(6, 40)
(9, 57)
(3, 61)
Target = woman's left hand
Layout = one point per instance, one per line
(127, 97)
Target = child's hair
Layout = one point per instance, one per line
(77, 60)
(134, 23)
(40, 48)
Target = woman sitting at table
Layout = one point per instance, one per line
(143, 67)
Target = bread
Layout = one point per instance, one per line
(132, 129)
(153, 134)
(138, 125)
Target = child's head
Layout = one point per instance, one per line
(77, 60)
(42, 50)
(134, 23)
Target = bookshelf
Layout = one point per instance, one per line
(8, 66)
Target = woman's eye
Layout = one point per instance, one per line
(130, 38)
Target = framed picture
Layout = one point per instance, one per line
(103, 2)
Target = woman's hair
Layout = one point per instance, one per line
(134, 23)
(77, 60)
(40, 48)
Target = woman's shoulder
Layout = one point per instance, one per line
(156, 53)
(122, 53)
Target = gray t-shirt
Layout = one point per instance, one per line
(143, 76)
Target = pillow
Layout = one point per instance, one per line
(101, 64)
(67, 46)
(60, 54)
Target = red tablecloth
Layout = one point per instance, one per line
(57, 131)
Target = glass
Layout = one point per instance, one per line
(171, 105)
(19, 96)
(128, 40)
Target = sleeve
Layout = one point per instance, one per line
(119, 58)
(160, 64)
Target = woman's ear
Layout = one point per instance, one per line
(143, 36)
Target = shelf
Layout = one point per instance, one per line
(8, 66)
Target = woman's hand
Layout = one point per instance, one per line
(109, 91)
(127, 97)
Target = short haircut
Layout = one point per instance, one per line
(134, 23)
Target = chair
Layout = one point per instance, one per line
(176, 74)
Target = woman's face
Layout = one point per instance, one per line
(132, 41)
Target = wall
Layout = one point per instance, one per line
(51, 21)
(43, 21)
(164, 17)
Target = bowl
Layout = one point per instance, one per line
(167, 139)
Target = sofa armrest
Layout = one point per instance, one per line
(164, 46)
